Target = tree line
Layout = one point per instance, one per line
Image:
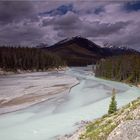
(25, 58)
(121, 68)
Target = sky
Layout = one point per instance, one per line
(49, 21)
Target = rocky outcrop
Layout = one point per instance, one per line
(129, 130)
(122, 125)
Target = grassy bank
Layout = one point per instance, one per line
(101, 128)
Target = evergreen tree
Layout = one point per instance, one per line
(113, 103)
(24, 58)
(124, 68)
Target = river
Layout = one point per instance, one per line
(47, 120)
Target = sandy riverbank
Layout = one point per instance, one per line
(23, 90)
(19, 71)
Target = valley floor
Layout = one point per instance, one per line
(63, 113)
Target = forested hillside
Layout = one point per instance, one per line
(121, 68)
(12, 58)
(79, 51)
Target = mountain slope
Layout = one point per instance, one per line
(108, 127)
(81, 51)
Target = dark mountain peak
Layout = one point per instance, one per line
(81, 51)
(42, 45)
(77, 39)
(117, 50)
(77, 42)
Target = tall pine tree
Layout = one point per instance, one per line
(113, 103)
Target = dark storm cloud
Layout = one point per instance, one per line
(67, 21)
(130, 39)
(96, 29)
(61, 10)
(132, 6)
(70, 23)
(99, 10)
(14, 11)
(32, 22)
(19, 23)
(20, 34)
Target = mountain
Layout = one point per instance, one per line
(78, 51)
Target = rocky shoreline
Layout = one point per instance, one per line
(128, 125)
(75, 135)
(19, 71)
(122, 125)
(128, 130)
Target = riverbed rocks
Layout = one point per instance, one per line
(129, 130)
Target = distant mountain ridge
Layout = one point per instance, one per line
(77, 51)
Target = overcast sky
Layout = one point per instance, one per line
(49, 21)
